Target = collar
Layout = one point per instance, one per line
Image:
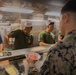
(73, 32)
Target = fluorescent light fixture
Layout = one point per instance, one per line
(52, 13)
(17, 10)
(22, 20)
(56, 3)
(5, 24)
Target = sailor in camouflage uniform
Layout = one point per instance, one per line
(61, 59)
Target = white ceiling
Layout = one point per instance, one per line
(26, 7)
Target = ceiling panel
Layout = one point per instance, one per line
(13, 9)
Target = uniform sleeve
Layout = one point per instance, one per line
(1, 40)
(58, 63)
(15, 33)
(41, 37)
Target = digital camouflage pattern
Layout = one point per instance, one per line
(61, 59)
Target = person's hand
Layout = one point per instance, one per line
(31, 62)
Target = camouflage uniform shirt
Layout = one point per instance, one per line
(61, 59)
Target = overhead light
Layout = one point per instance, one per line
(17, 10)
(52, 13)
(56, 3)
(22, 20)
(5, 24)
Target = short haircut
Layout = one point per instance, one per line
(69, 7)
(51, 23)
(28, 27)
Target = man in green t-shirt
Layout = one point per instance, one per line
(23, 38)
(46, 37)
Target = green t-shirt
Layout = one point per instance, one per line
(46, 37)
(21, 39)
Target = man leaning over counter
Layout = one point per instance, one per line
(23, 38)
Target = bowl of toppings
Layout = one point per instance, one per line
(32, 58)
(32, 55)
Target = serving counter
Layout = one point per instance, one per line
(19, 61)
(21, 52)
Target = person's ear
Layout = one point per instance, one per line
(66, 18)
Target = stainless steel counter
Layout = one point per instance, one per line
(20, 52)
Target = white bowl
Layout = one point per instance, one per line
(26, 54)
